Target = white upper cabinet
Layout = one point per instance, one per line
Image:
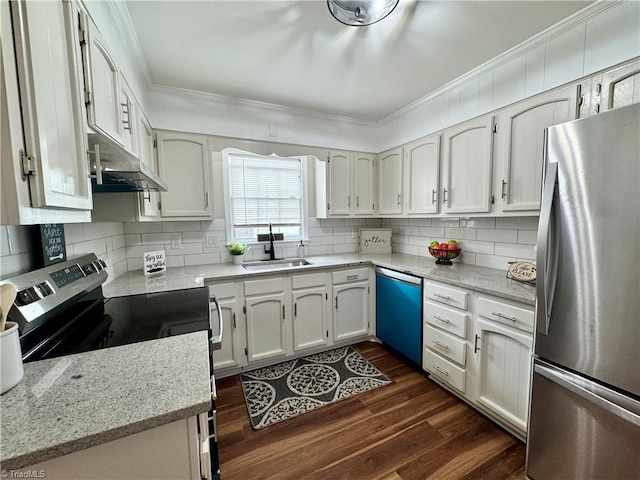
(390, 182)
(421, 175)
(184, 162)
(48, 97)
(339, 183)
(520, 147)
(364, 186)
(148, 201)
(345, 185)
(619, 87)
(467, 162)
(130, 122)
(102, 84)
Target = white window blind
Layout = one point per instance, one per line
(263, 190)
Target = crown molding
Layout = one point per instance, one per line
(531, 43)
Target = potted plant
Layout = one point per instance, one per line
(237, 251)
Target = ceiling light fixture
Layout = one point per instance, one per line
(360, 13)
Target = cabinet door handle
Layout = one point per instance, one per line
(234, 320)
(399, 199)
(348, 200)
(283, 312)
(206, 199)
(96, 155)
(126, 116)
(506, 317)
(475, 344)
(336, 302)
(503, 192)
(443, 372)
(444, 297)
(443, 320)
(357, 201)
(444, 195)
(434, 198)
(441, 345)
(295, 309)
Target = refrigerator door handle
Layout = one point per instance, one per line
(583, 388)
(544, 294)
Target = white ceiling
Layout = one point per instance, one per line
(293, 53)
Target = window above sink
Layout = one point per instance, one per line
(259, 190)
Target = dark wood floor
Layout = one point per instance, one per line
(411, 429)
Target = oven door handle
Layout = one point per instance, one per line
(216, 340)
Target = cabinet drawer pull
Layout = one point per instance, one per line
(506, 317)
(446, 374)
(444, 297)
(441, 345)
(352, 277)
(443, 320)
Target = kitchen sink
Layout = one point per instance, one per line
(273, 264)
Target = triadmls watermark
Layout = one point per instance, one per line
(23, 474)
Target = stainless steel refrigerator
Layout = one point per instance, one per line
(584, 417)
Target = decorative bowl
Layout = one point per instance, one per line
(444, 255)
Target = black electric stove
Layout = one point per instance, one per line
(61, 310)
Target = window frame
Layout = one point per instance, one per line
(304, 187)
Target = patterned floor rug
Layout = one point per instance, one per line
(279, 392)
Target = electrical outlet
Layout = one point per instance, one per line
(176, 241)
(212, 240)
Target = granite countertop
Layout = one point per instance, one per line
(481, 279)
(77, 401)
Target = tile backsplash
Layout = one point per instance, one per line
(106, 240)
(489, 242)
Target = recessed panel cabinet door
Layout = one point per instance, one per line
(339, 183)
(229, 354)
(620, 87)
(350, 310)
(503, 370)
(364, 184)
(102, 85)
(266, 332)
(309, 318)
(467, 161)
(390, 182)
(422, 168)
(51, 101)
(184, 162)
(520, 133)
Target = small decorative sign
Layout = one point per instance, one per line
(54, 249)
(154, 262)
(375, 240)
(524, 272)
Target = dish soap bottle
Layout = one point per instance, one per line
(301, 249)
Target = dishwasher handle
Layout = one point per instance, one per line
(403, 277)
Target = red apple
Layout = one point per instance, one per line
(444, 246)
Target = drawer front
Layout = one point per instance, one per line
(223, 290)
(453, 321)
(345, 276)
(445, 344)
(519, 317)
(306, 281)
(444, 370)
(446, 295)
(261, 287)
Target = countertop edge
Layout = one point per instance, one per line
(49, 453)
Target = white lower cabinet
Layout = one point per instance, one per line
(166, 452)
(231, 353)
(266, 315)
(309, 298)
(274, 317)
(502, 347)
(479, 347)
(503, 360)
(446, 316)
(351, 303)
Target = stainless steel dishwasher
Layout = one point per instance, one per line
(399, 312)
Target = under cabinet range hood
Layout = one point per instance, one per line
(113, 169)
